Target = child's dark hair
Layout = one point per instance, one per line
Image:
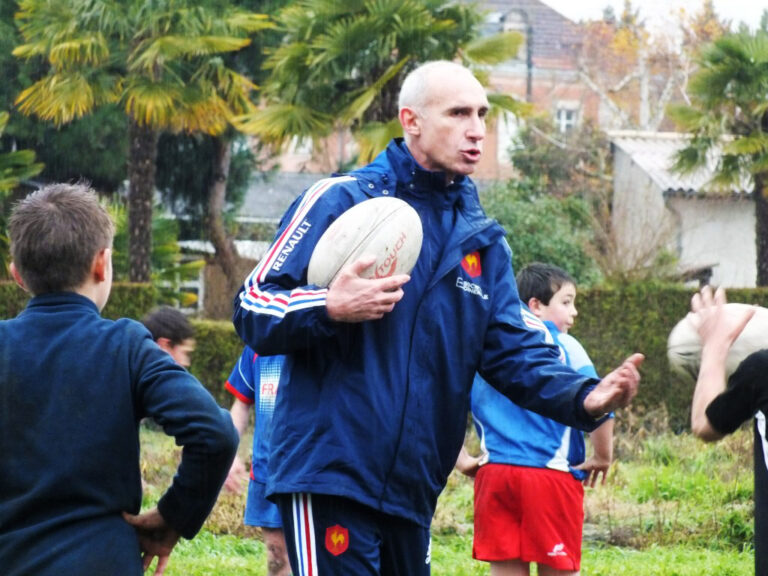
(55, 234)
(541, 281)
(168, 322)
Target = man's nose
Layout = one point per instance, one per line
(476, 130)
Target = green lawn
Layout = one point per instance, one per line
(672, 506)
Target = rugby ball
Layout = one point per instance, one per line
(684, 344)
(384, 227)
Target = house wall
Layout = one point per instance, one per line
(641, 224)
(551, 90)
(702, 232)
(718, 232)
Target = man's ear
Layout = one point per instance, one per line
(17, 277)
(100, 265)
(410, 121)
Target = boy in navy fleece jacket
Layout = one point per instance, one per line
(73, 388)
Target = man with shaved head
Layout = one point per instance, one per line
(375, 388)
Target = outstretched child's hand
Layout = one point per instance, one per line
(156, 538)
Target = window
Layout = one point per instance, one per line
(566, 117)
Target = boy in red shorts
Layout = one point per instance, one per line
(528, 488)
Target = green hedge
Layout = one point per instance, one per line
(12, 299)
(612, 323)
(126, 300)
(218, 348)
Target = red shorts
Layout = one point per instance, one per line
(528, 514)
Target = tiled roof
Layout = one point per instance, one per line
(268, 198)
(555, 37)
(654, 152)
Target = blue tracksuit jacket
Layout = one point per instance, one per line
(376, 411)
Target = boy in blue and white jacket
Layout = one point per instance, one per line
(528, 489)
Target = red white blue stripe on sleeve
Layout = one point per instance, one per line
(535, 323)
(253, 298)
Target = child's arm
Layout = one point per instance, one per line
(468, 464)
(718, 331)
(602, 454)
(238, 473)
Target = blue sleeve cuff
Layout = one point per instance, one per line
(590, 422)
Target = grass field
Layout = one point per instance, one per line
(672, 506)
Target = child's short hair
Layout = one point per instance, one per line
(168, 322)
(55, 234)
(541, 281)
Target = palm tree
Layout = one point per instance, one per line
(161, 60)
(340, 65)
(15, 166)
(728, 119)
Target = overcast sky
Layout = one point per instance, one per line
(656, 11)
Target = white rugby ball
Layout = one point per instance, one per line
(384, 227)
(684, 344)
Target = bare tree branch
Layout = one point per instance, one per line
(623, 116)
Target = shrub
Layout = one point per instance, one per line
(218, 348)
(126, 300)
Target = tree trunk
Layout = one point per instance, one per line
(226, 252)
(761, 229)
(644, 110)
(141, 188)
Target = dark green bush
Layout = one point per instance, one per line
(218, 348)
(126, 300)
(12, 299)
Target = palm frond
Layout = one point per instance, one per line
(347, 36)
(508, 103)
(17, 165)
(730, 170)
(695, 155)
(157, 52)
(279, 122)
(359, 105)
(249, 22)
(214, 75)
(91, 50)
(208, 116)
(62, 97)
(373, 137)
(747, 145)
(493, 49)
(152, 103)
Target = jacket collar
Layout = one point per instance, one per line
(396, 169)
(407, 169)
(50, 299)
